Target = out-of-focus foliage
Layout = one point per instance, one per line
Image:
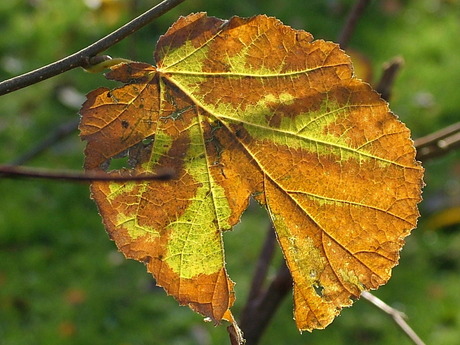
(62, 281)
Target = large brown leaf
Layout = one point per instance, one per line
(251, 107)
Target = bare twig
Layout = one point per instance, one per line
(438, 143)
(352, 20)
(8, 171)
(256, 293)
(390, 71)
(260, 273)
(398, 316)
(87, 56)
(266, 305)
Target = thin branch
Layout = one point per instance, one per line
(438, 143)
(8, 171)
(398, 316)
(267, 304)
(390, 71)
(256, 292)
(350, 24)
(84, 57)
(263, 263)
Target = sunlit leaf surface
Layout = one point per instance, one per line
(251, 107)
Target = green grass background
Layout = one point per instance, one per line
(62, 280)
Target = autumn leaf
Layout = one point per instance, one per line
(252, 108)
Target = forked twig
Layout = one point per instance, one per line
(398, 316)
(83, 58)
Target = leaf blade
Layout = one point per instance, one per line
(252, 107)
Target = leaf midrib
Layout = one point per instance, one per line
(166, 71)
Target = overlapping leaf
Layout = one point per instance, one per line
(251, 107)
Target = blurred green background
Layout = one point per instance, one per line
(62, 280)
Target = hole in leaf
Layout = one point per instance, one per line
(140, 152)
(130, 157)
(147, 141)
(318, 289)
(118, 163)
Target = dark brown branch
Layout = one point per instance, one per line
(8, 171)
(390, 71)
(251, 308)
(260, 273)
(350, 24)
(397, 316)
(84, 57)
(438, 143)
(266, 306)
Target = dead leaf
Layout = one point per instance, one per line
(251, 107)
